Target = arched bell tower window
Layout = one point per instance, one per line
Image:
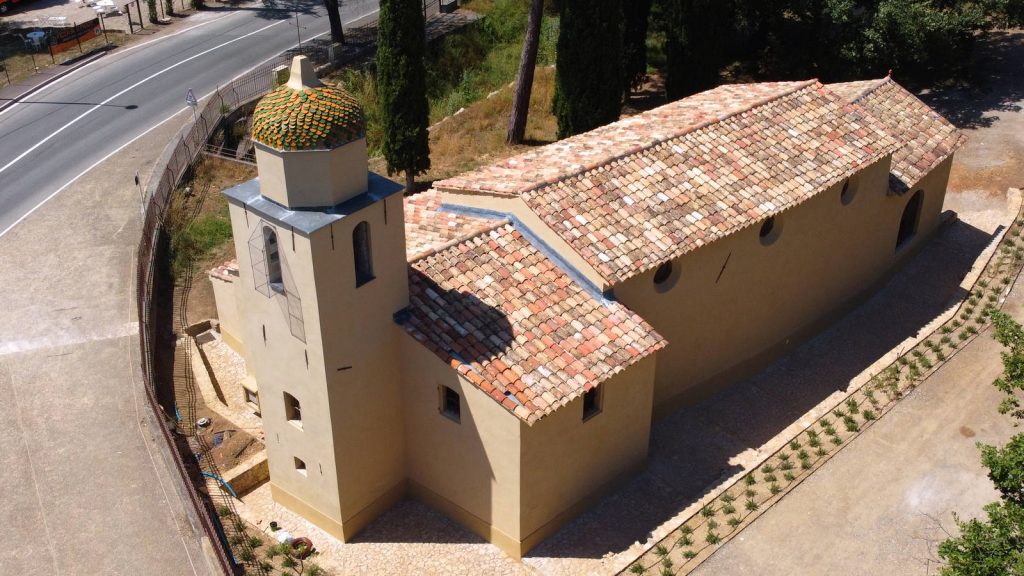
(362, 253)
(270, 248)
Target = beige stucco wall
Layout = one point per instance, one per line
(278, 363)
(769, 298)
(360, 352)
(345, 374)
(225, 297)
(567, 463)
(316, 177)
(470, 469)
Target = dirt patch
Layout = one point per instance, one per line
(214, 175)
(967, 432)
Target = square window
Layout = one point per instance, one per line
(292, 409)
(252, 398)
(591, 403)
(451, 404)
(300, 466)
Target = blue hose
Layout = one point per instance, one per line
(222, 483)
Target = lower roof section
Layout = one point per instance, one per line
(516, 325)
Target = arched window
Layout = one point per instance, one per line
(273, 259)
(910, 219)
(362, 252)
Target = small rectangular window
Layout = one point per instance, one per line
(252, 398)
(300, 466)
(292, 409)
(451, 404)
(591, 403)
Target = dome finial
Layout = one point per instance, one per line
(303, 77)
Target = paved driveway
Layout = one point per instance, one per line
(883, 504)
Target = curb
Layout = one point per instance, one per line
(81, 63)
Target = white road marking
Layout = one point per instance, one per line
(86, 171)
(165, 120)
(119, 52)
(74, 121)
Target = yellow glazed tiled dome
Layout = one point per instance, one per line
(307, 115)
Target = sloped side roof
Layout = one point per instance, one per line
(512, 322)
(926, 137)
(562, 159)
(654, 205)
(428, 229)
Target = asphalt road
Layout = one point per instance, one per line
(61, 131)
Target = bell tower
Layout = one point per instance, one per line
(320, 243)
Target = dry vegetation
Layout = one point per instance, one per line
(476, 136)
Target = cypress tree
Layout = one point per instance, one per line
(402, 85)
(634, 42)
(588, 72)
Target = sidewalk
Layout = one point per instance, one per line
(88, 484)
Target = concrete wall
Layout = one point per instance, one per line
(738, 304)
(568, 463)
(470, 469)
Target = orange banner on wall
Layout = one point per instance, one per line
(62, 39)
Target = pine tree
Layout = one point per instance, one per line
(401, 82)
(588, 73)
(524, 84)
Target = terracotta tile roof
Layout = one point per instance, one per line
(427, 229)
(926, 137)
(318, 118)
(511, 322)
(663, 201)
(570, 156)
(228, 271)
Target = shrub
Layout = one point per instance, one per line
(684, 540)
(840, 413)
(223, 511)
(660, 550)
(774, 488)
(712, 538)
(728, 498)
(868, 415)
(728, 508)
(940, 356)
(767, 468)
(926, 363)
(770, 478)
(733, 521)
(708, 511)
(750, 493)
(787, 465)
(821, 452)
(794, 444)
(667, 563)
(814, 442)
(255, 542)
(836, 440)
(712, 524)
(750, 504)
(852, 405)
(246, 555)
(689, 554)
(637, 569)
(851, 425)
(686, 530)
(749, 480)
(789, 476)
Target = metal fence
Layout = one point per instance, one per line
(153, 285)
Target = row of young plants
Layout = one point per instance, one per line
(719, 520)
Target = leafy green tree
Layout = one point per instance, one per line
(994, 546)
(588, 67)
(1011, 383)
(401, 83)
(636, 15)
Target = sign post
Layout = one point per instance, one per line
(190, 99)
